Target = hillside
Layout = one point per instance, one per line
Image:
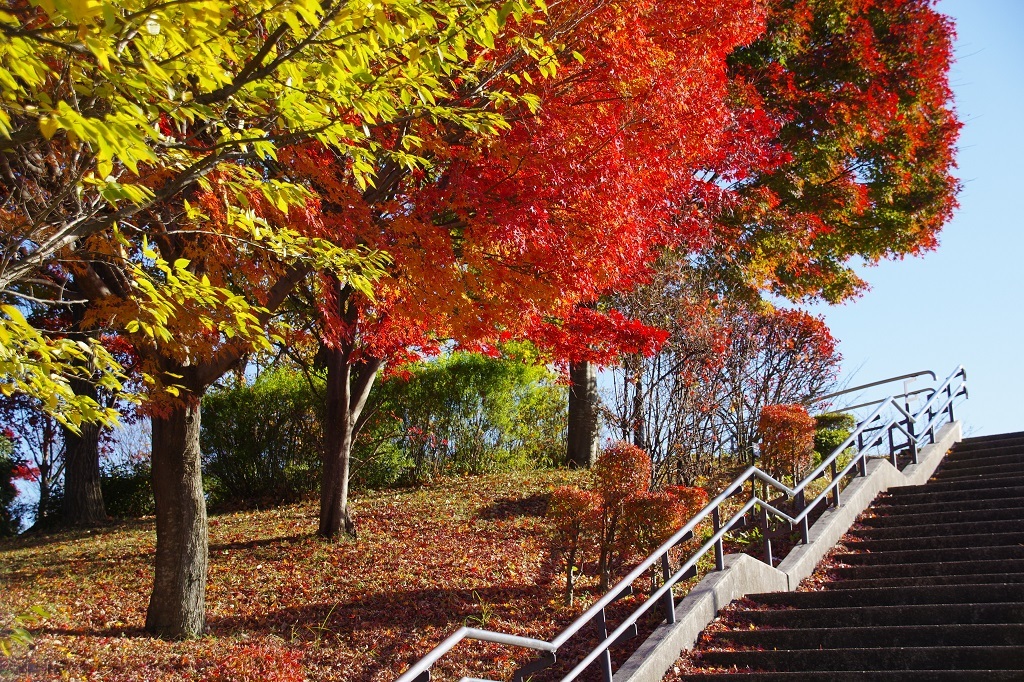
(285, 605)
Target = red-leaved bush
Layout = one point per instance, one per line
(693, 499)
(622, 471)
(621, 515)
(787, 439)
(574, 513)
(648, 519)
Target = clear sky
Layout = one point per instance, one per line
(964, 303)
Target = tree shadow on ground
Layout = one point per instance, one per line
(256, 544)
(391, 619)
(504, 508)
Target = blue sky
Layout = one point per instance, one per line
(963, 303)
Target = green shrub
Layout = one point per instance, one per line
(462, 413)
(127, 492)
(261, 442)
(831, 429)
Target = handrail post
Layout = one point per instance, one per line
(949, 398)
(716, 520)
(768, 558)
(835, 489)
(892, 445)
(800, 503)
(669, 600)
(862, 462)
(606, 655)
(912, 437)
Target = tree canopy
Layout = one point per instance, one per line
(113, 111)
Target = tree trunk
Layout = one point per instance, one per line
(582, 437)
(347, 391)
(177, 607)
(639, 424)
(83, 497)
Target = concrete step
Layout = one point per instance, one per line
(995, 465)
(972, 477)
(974, 442)
(917, 556)
(986, 452)
(964, 567)
(894, 658)
(885, 507)
(921, 497)
(922, 580)
(861, 676)
(940, 529)
(1005, 634)
(869, 616)
(965, 542)
(972, 483)
(895, 519)
(895, 596)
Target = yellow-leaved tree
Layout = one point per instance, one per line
(139, 174)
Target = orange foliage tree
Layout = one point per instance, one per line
(787, 439)
(505, 237)
(196, 276)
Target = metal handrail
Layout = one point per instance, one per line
(908, 394)
(882, 382)
(904, 421)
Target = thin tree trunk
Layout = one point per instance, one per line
(639, 425)
(570, 577)
(582, 437)
(177, 607)
(83, 497)
(348, 387)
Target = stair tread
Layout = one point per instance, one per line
(944, 568)
(964, 527)
(873, 658)
(963, 579)
(862, 676)
(894, 635)
(968, 541)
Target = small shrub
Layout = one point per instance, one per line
(261, 443)
(831, 429)
(574, 514)
(693, 499)
(787, 440)
(127, 491)
(648, 519)
(622, 471)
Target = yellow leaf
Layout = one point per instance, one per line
(48, 126)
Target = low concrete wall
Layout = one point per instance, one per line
(744, 575)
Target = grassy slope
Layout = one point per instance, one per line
(283, 604)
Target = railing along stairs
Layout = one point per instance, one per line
(891, 425)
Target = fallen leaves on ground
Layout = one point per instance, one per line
(283, 604)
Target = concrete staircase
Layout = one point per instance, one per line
(932, 588)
